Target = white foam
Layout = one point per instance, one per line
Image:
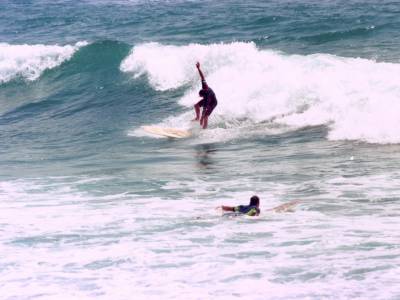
(357, 98)
(62, 243)
(29, 61)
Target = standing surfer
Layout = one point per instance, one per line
(208, 101)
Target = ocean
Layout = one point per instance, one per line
(93, 207)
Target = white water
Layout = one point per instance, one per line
(30, 61)
(357, 98)
(61, 243)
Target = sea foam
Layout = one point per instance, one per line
(357, 98)
(29, 61)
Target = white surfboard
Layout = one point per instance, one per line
(287, 207)
(167, 132)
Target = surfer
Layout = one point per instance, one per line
(208, 101)
(253, 209)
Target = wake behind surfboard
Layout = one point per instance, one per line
(167, 132)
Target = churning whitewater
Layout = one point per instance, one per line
(351, 96)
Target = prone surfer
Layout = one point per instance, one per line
(253, 209)
(208, 101)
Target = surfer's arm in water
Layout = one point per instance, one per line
(242, 209)
(227, 208)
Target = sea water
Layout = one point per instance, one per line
(92, 207)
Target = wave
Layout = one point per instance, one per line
(358, 99)
(72, 87)
(332, 36)
(30, 61)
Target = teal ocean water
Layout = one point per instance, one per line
(93, 207)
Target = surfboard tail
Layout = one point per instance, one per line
(286, 207)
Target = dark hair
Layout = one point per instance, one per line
(254, 200)
(202, 93)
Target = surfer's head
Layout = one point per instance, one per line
(255, 201)
(202, 93)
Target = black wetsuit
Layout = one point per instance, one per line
(209, 101)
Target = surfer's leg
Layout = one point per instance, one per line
(206, 113)
(204, 118)
(205, 121)
(197, 110)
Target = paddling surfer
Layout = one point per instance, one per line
(253, 209)
(208, 101)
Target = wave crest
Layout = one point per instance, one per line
(357, 98)
(29, 61)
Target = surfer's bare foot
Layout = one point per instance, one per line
(195, 119)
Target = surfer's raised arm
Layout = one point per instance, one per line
(203, 80)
